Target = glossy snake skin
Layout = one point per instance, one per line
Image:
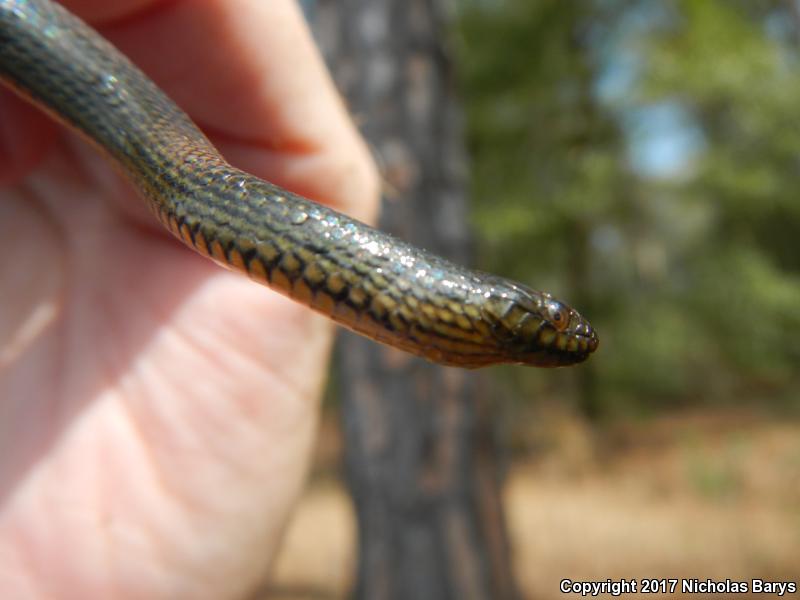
(362, 278)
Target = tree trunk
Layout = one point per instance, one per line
(417, 456)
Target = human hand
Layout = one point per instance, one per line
(156, 411)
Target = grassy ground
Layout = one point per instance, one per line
(694, 496)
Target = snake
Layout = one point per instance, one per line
(360, 277)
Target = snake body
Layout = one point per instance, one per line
(360, 277)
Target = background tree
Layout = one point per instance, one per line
(417, 452)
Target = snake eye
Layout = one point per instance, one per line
(557, 314)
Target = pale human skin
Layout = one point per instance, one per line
(157, 412)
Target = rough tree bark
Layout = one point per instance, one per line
(426, 495)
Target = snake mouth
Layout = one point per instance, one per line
(557, 358)
(564, 349)
(586, 342)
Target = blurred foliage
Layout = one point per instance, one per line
(640, 159)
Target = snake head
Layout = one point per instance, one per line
(533, 328)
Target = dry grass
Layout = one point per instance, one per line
(317, 559)
(685, 497)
